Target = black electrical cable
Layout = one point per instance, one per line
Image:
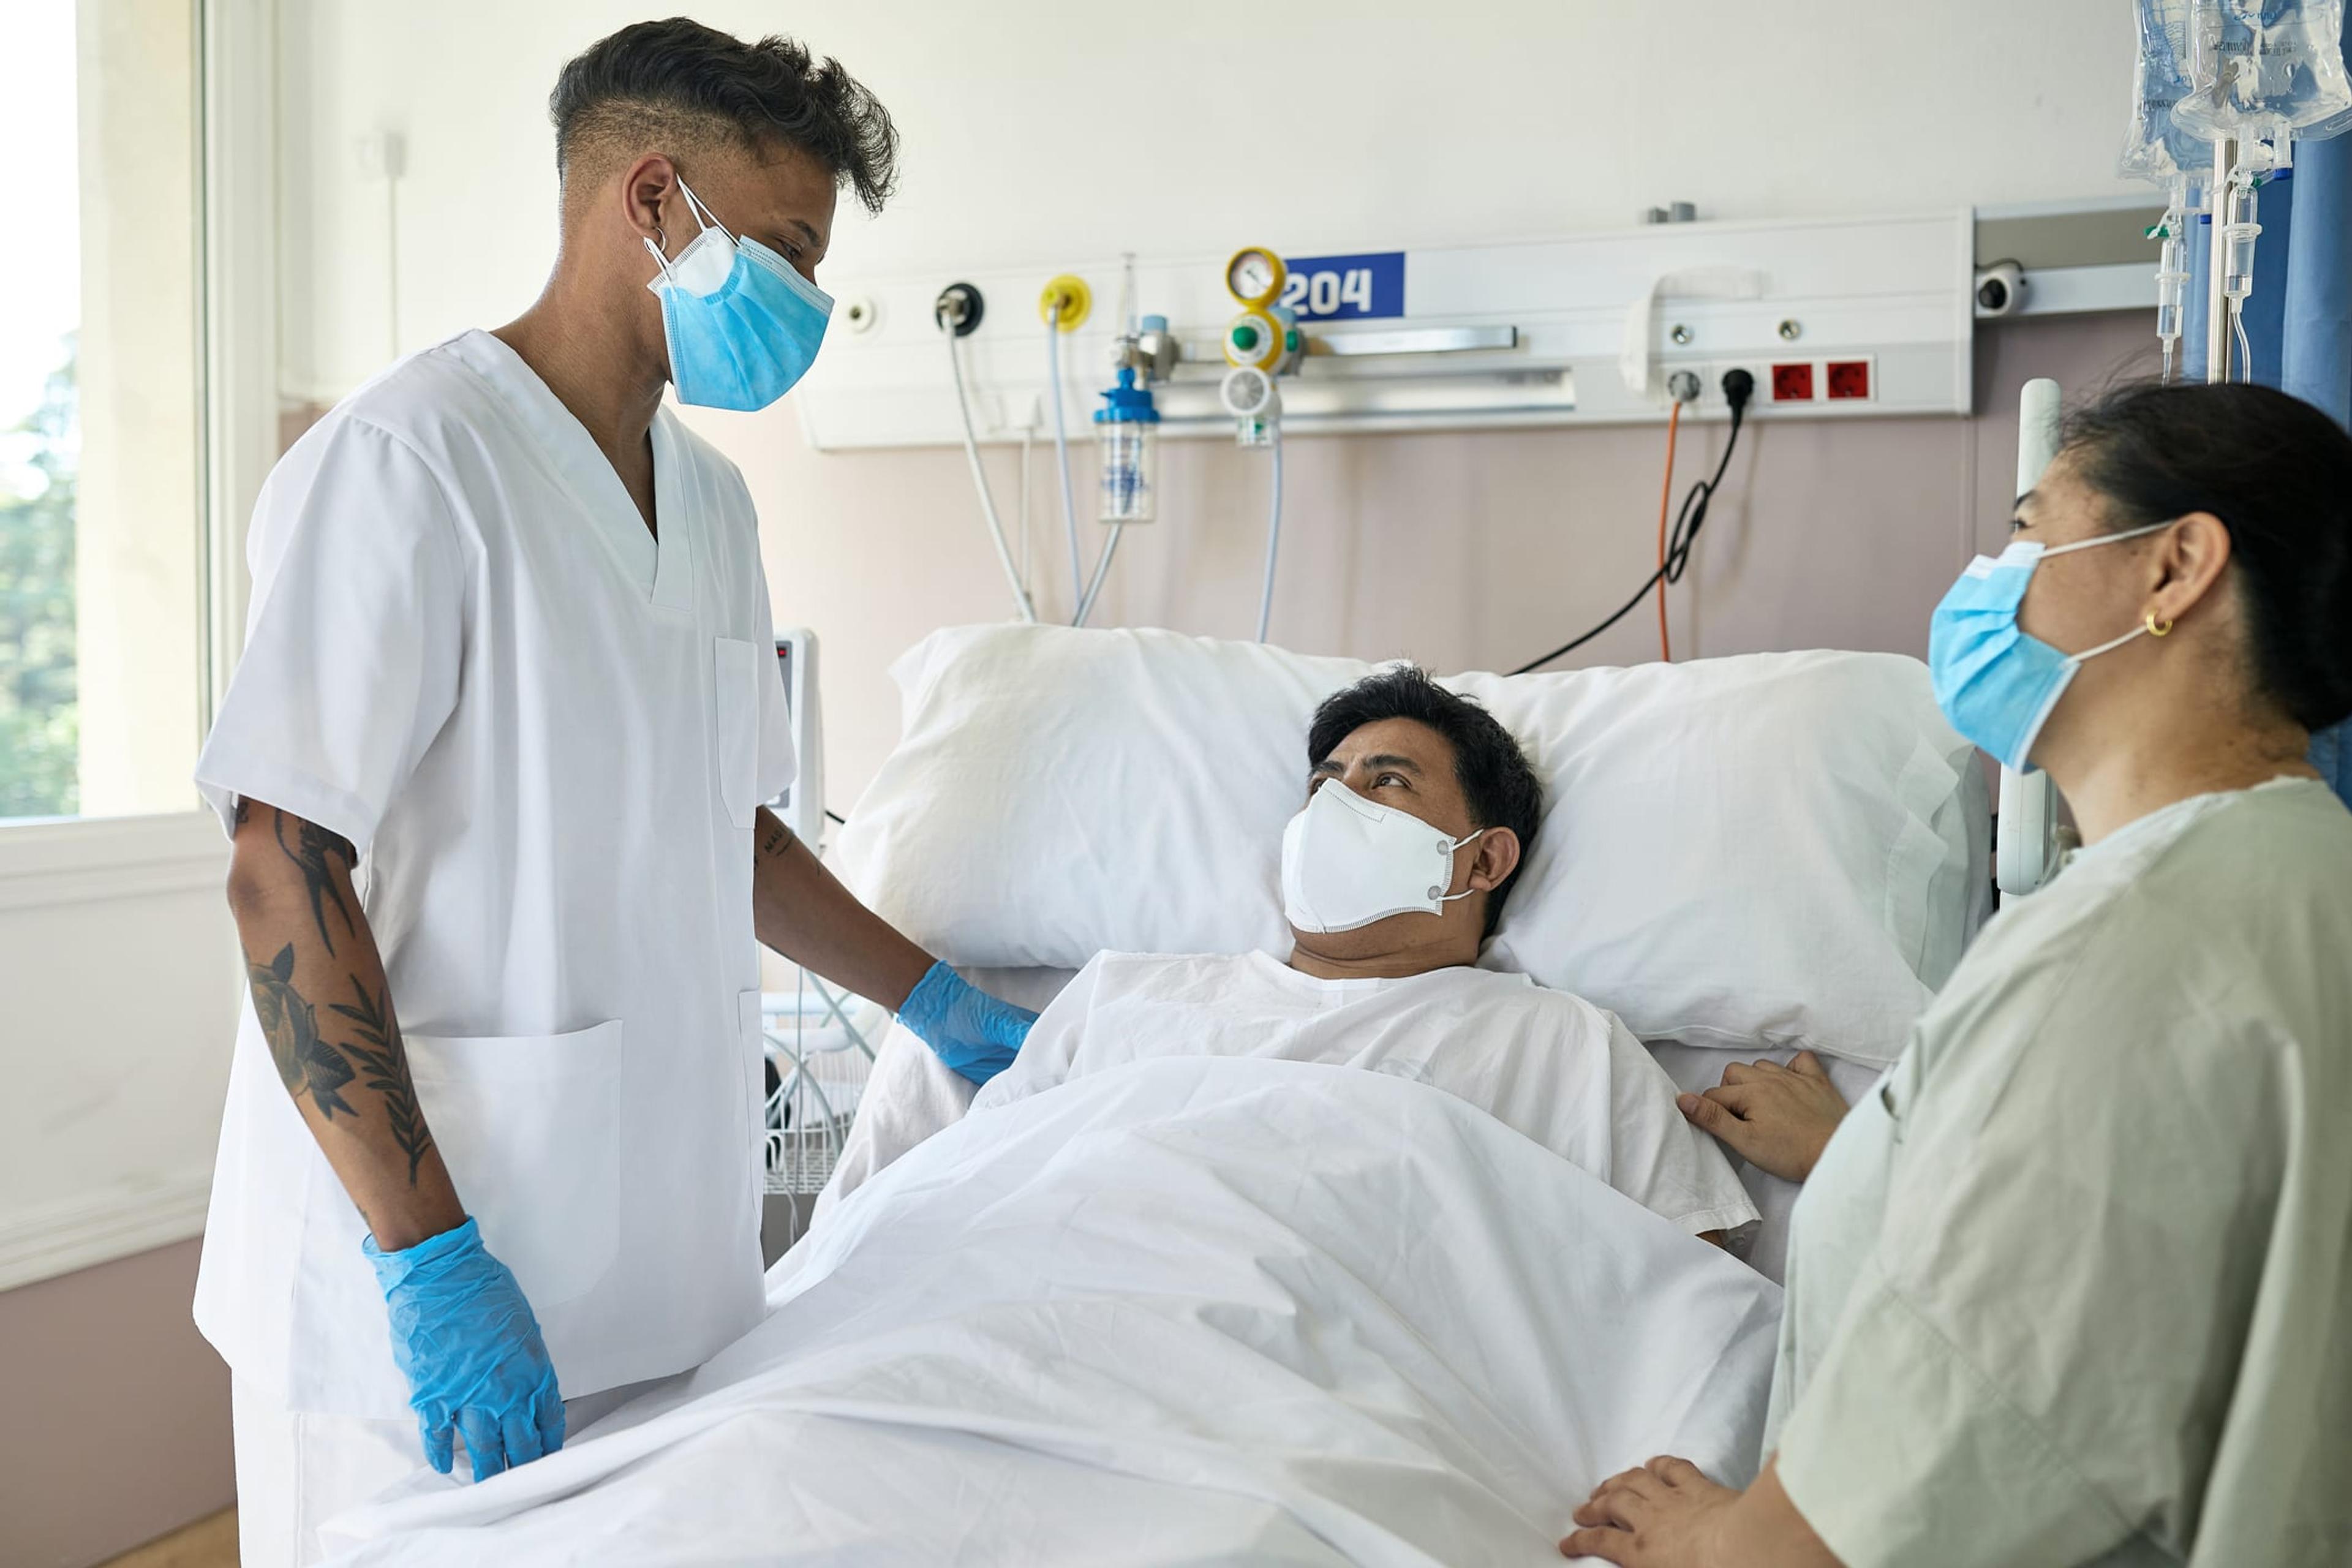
(1687, 522)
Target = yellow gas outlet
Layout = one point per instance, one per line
(1070, 295)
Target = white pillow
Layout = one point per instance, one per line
(1772, 850)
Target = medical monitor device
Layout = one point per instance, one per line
(802, 806)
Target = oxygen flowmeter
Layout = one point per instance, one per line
(1260, 343)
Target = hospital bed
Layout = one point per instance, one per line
(1742, 857)
(1214, 1309)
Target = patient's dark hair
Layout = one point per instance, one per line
(1496, 779)
(676, 84)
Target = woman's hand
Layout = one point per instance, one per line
(1668, 1515)
(1664, 1515)
(1777, 1119)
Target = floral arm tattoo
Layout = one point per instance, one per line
(365, 1069)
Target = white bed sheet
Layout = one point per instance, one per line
(912, 1096)
(1129, 1321)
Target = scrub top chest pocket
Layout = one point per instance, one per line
(735, 701)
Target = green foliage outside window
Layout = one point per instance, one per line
(38, 688)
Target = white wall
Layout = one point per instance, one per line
(1044, 133)
(1039, 131)
(119, 967)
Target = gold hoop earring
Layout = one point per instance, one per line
(2156, 630)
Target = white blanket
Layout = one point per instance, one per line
(1188, 1310)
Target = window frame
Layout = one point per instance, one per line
(236, 177)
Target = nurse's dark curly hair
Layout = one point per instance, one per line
(679, 80)
(2278, 473)
(1498, 782)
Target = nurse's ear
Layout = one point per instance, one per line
(652, 205)
(1495, 857)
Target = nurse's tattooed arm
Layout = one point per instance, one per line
(313, 853)
(799, 910)
(319, 992)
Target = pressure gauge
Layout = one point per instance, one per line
(1256, 276)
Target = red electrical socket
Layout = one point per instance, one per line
(1849, 378)
(1792, 382)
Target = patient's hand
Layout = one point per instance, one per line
(1777, 1119)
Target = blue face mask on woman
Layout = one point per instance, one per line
(741, 325)
(1996, 684)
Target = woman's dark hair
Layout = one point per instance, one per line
(1499, 786)
(651, 78)
(2278, 473)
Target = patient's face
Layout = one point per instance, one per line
(1404, 765)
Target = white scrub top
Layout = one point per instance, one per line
(547, 736)
(1549, 1066)
(2075, 1284)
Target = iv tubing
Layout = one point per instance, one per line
(1272, 538)
(1666, 502)
(1102, 571)
(987, 501)
(1062, 452)
(1027, 432)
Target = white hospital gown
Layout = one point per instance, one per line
(1547, 1065)
(2076, 1284)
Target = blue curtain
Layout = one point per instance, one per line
(2315, 358)
(2298, 319)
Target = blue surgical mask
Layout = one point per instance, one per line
(1996, 684)
(741, 325)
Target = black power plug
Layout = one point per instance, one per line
(1739, 387)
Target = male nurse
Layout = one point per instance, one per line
(492, 764)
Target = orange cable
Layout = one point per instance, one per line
(1665, 499)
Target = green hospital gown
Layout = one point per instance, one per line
(2075, 1284)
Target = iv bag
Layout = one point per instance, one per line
(2156, 148)
(2264, 69)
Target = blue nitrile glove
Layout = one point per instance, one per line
(466, 1338)
(972, 1032)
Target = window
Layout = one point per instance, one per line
(102, 471)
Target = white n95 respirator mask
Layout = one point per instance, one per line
(1348, 861)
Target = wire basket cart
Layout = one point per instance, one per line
(819, 1056)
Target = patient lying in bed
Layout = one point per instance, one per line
(1420, 808)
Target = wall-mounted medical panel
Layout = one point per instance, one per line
(1579, 331)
